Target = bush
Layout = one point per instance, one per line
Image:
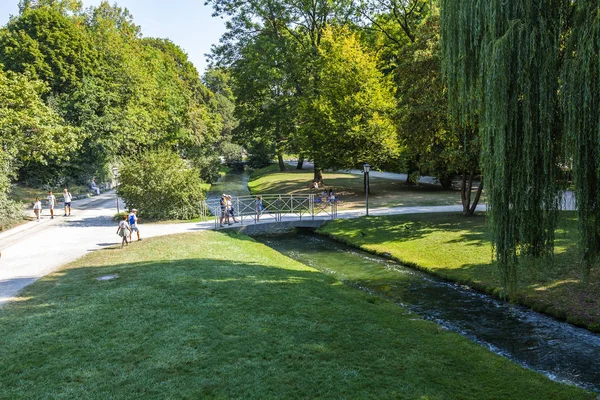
(232, 153)
(261, 155)
(161, 186)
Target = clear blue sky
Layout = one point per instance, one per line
(188, 23)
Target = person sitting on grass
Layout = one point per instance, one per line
(314, 185)
(331, 196)
(124, 230)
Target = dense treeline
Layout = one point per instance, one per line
(81, 89)
(342, 84)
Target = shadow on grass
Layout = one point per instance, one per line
(209, 327)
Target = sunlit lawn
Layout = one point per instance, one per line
(459, 249)
(209, 315)
(349, 188)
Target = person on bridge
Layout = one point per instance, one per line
(224, 211)
(259, 207)
(230, 210)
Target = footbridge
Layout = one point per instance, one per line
(299, 210)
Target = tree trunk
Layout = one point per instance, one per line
(465, 193)
(300, 161)
(318, 174)
(280, 161)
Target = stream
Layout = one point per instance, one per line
(557, 349)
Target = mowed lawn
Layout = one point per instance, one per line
(459, 249)
(349, 188)
(211, 315)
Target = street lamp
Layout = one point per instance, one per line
(115, 172)
(367, 168)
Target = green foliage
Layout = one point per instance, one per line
(261, 154)
(160, 185)
(501, 61)
(232, 153)
(50, 46)
(349, 121)
(581, 105)
(112, 92)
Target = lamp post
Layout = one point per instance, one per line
(367, 168)
(115, 172)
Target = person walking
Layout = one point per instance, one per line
(230, 210)
(224, 212)
(67, 199)
(259, 207)
(124, 230)
(133, 224)
(37, 208)
(51, 203)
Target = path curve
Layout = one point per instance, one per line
(34, 250)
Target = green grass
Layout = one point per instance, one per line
(209, 315)
(349, 188)
(459, 249)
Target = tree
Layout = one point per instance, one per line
(348, 122)
(501, 60)
(581, 106)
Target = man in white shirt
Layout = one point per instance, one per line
(67, 198)
(51, 203)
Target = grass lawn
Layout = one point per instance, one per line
(211, 315)
(349, 188)
(459, 249)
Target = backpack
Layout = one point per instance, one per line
(131, 219)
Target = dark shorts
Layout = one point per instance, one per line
(68, 204)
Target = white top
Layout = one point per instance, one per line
(67, 197)
(123, 224)
(51, 199)
(37, 205)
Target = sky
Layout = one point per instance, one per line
(188, 23)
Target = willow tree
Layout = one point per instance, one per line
(501, 62)
(581, 77)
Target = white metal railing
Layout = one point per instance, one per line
(276, 207)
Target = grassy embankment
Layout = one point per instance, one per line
(459, 249)
(349, 188)
(209, 315)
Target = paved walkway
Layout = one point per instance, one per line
(373, 174)
(33, 250)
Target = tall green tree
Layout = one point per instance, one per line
(348, 122)
(581, 105)
(501, 60)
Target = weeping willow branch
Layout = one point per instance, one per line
(501, 65)
(581, 104)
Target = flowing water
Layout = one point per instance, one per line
(559, 350)
(234, 183)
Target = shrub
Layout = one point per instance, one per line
(232, 153)
(161, 186)
(261, 155)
